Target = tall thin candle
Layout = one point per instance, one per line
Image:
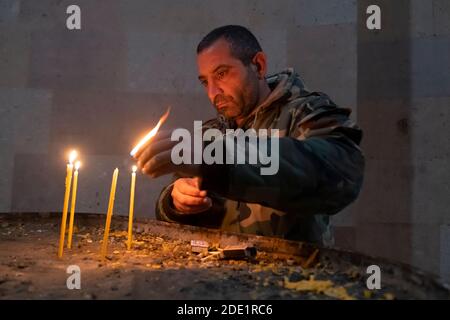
(112, 196)
(72, 207)
(69, 170)
(130, 214)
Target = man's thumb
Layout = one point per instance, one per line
(198, 182)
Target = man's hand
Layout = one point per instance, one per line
(188, 198)
(154, 158)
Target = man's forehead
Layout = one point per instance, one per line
(217, 54)
(220, 45)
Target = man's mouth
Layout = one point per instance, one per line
(222, 105)
(221, 102)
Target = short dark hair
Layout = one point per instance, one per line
(243, 44)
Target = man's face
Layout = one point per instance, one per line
(231, 87)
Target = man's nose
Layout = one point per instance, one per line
(213, 91)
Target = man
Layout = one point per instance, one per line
(320, 163)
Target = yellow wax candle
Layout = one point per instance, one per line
(72, 207)
(110, 212)
(72, 157)
(130, 215)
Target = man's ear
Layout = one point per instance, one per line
(260, 62)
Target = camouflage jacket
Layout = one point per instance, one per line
(320, 170)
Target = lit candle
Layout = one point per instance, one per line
(72, 157)
(72, 207)
(151, 133)
(130, 214)
(110, 212)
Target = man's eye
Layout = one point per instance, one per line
(221, 74)
(204, 83)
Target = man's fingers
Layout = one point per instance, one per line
(189, 187)
(191, 209)
(188, 200)
(154, 149)
(158, 163)
(162, 135)
(186, 209)
(180, 207)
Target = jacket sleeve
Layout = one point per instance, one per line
(320, 167)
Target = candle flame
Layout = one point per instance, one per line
(134, 168)
(77, 165)
(72, 156)
(151, 133)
